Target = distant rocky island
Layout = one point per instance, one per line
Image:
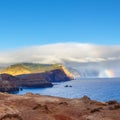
(14, 77)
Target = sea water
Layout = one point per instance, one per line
(102, 89)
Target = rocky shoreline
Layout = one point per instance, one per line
(11, 84)
(39, 107)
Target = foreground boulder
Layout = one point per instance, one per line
(38, 107)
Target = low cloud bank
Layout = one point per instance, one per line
(60, 52)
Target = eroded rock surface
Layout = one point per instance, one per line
(38, 107)
(8, 83)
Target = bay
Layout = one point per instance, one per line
(101, 89)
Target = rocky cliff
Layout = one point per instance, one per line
(8, 83)
(49, 72)
(32, 75)
(57, 75)
(30, 68)
(33, 80)
(43, 79)
(38, 107)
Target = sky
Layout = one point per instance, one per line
(25, 23)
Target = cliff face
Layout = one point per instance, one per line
(33, 80)
(8, 83)
(52, 73)
(57, 75)
(43, 79)
(29, 75)
(38, 107)
(68, 73)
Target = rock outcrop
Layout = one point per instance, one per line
(32, 75)
(43, 79)
(38, 107)
(11, 84)
(57, 75)
(8, 83)
(33, 80)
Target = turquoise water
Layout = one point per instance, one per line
(97, 89)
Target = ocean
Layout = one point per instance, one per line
(100, 89)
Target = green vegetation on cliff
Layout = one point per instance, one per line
(28, 68)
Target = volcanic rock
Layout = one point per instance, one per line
(8, 83)
(39, 107)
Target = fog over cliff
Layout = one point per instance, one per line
(76, 55)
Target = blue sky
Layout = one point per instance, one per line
(36, 22)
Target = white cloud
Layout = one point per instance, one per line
(56, 53)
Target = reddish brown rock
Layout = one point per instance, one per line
(38, 107)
